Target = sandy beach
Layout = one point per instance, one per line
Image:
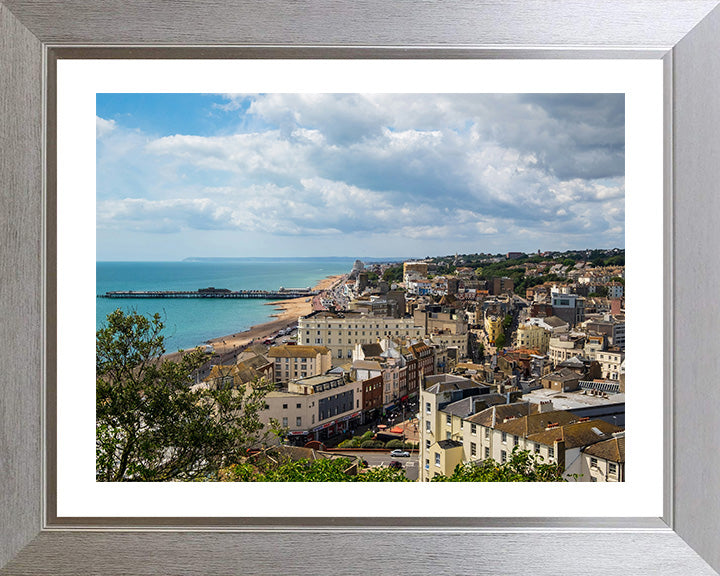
(287, 314)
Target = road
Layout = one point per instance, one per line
(383, 459)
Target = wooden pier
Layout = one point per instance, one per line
(281, 294)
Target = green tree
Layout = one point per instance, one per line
(500, 341)
(522, 466)
(150, 424)
(304, 470)
(393, 274)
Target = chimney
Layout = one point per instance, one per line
(494, 416)
(559, 446)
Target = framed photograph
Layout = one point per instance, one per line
(56, 519)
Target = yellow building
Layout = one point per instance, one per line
(493, 326)
(530, 336)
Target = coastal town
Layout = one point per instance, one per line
(430, 364)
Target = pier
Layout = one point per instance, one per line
(212, 292)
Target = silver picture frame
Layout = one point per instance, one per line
(682, 33)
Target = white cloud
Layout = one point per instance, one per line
(462, 168)
(103, 127)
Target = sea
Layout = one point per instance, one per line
(191, 321)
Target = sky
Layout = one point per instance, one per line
(374, 175)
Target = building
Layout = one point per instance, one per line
(315, 408)
(249, 369)
(611, 363)
(493, 433)
(569, 307)
(438, 392)
(342, 331)
(564, 346)
(414, 271)
(605, 461)
(533, 336)
(493, 324)
(502, 285)
(294, 362)
(563, 380)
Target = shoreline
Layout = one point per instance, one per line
(286, 314)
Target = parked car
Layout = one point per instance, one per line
(399, 454)
(395, 464)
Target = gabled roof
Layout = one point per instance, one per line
(501, 412)
(562, 375)
(613, 449)
(577, 434)
(534, 423)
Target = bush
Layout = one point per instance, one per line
(368, 435)
(395, 444)
(372, 444)
(350, 443)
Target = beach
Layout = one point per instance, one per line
(287, 314)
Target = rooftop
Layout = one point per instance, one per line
(296, 351)
(613, 449)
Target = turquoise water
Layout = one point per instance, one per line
(190, 322)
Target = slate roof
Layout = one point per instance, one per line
(472, 404)
(372, 350)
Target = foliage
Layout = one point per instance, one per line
(395, 444)
(393, 274)
(500, 341)
(522, 466)
(372, 444)
(304, 470)
(150, 424)
(368, 435)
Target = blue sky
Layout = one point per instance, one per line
(182, 175)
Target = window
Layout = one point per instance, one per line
(593, 479)
(427, 407)
(298, 421)
(473, 449)
(487, 433)
(285, 421)
(516, 440)
(448, 435)
(339, 353)
(473, 429)
(427, 425)
(551, 452)
(612, 468)
(593, 462)
(504, 437)
(284, 406)
(487, 452)
(503, 456)
(437, 459)
(297, 405)
(427, 444)
(448, 419)
(427, 463)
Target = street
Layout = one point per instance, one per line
(374, 458)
